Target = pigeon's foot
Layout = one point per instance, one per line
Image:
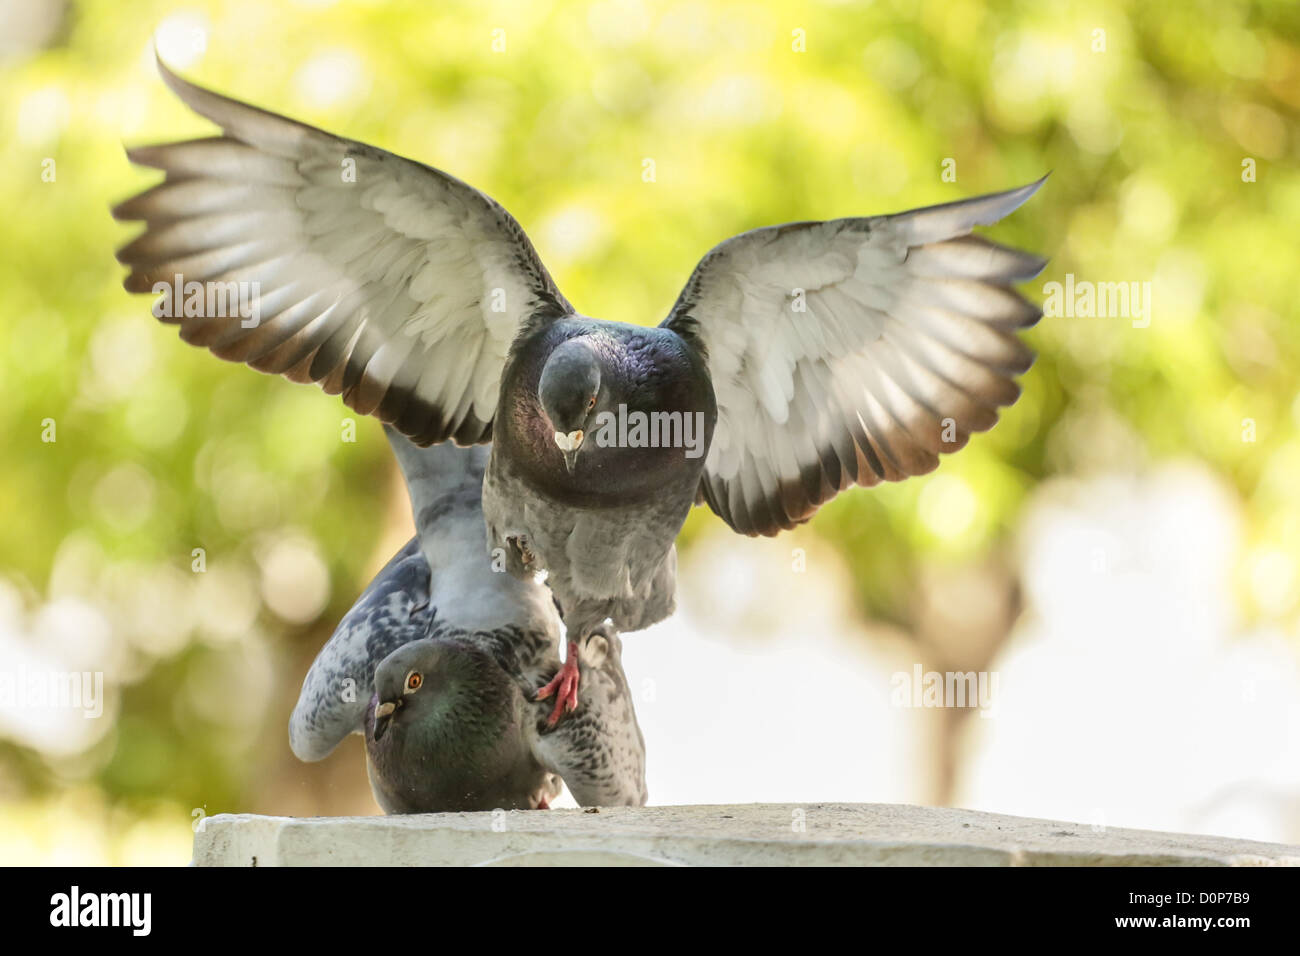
(522, 551)
(564, 686)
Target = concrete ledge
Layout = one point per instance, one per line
(738, 835)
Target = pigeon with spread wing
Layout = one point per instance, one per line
(799, 360)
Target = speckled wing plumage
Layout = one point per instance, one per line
(442, 586)
(598, 751)
(394, 610)
(853, 351)
(382, 279)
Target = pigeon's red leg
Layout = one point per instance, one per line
(564, 686)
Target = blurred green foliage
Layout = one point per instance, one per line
(752, 114)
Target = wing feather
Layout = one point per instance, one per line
(380, 285)
(853, 351)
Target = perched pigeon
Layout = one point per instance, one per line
(437, 665)
(799, 359)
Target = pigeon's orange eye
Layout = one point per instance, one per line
(413, 681)
(592, 403)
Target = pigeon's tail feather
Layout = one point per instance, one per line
(446, 465)
(445, 483)
(598, 749)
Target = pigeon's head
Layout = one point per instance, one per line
(440, 690)
(569, 390)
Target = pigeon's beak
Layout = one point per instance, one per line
(384, 716)
(569, 445)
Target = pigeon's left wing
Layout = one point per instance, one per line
(330, 261)
(853, 351)
(598, 749)
(393, 611)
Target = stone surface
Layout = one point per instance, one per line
(736, 835)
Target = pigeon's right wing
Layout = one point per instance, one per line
(598, 749)
(393, 611)
(330, 261)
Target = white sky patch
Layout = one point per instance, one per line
(573, 232)
(947, 506)
(182, 39)
(1030, 69)
(42, 117)
(1146, 209)
(61, 641)
(617, 23)
(331, 77)
(1272, 577)
(763, 687)
(295, 579)
(1132, 695)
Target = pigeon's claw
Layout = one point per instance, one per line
(564, 685)
(526, 556)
